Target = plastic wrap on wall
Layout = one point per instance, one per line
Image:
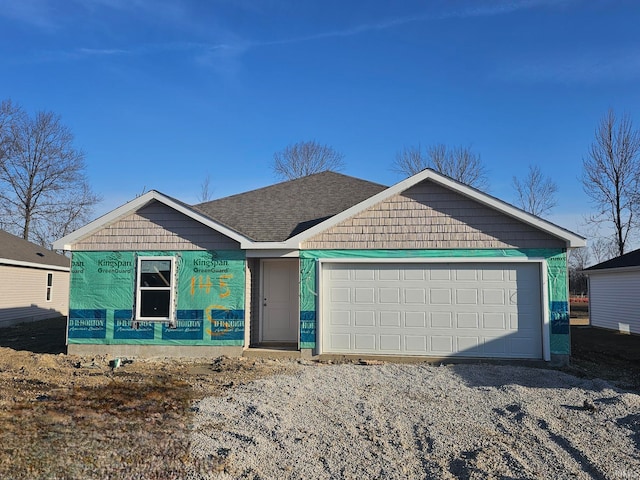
(558, 291)
(209, 299)
(308, 300)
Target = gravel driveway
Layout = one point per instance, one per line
(420, 421)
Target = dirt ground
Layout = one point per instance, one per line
(579, 313)
(68, 417)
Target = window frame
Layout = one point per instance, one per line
(49, 291)
(140, 288)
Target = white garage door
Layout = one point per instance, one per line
(467, 310)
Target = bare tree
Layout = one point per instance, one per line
(611, 176)
(44, 193)
(411, 160)
(205, 189)
(459, 163)
(304, 158)
(536, 193)
(8, 113)
(578, 260)
(603, 249)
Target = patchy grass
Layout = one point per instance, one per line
(132, 426)
(74, 418)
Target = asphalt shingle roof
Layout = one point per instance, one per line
(18, 249)
(631, 259)
(278, 212)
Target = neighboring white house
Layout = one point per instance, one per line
(614, 293)
(34, 282)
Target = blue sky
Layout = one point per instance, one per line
(161, 93)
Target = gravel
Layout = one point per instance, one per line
(400, 421)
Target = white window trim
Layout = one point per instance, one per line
(172, 290)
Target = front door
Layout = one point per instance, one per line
(280, 301)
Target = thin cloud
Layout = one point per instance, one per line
(139, 50)
(102, 51)
(33, 12)
(505, 7)
(48, 16)
(596, 67)
(485, 10)
(210, 53)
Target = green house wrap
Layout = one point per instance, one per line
(205, 289)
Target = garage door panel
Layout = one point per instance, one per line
(465, 274)
(526, 347)
(416, 344)
(466, 296)
(493, 296)
(494, 320)
(495, 346)
(365, 274)
(441, 319)
(481, 310)
(415, 319)
(390, 319)
(390, 343)
(492, 275)
(468, 345)
(364, 341)
(524, 320)
(340, 318)
(389, 295)
(340, 342)
(467, 320)
(389, 274)
(440, 296)
(439, 274)
(442, 344)
(414, 274)
(364, 295)
(339, 274)
(415, 295)
(364, 318)
(340, 295)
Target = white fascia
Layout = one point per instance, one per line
(262, 252)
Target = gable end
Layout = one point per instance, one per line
(429, 216)
(155, 227)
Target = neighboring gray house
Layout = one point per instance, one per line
(34, 281)
(324, 264)
(614, 293)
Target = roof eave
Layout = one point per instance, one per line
(630, 268)
(41, 266)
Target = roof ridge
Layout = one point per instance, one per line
(289, 182)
